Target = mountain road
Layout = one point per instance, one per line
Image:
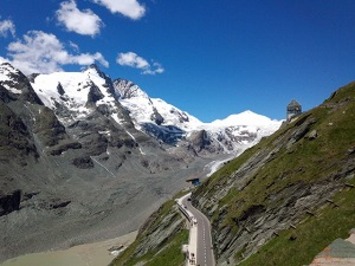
(204, 256)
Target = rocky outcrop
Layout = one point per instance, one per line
(48, 127)
(158, 234)
(94, 95)
(157, 117)
(155, 235)
(15, 138)
(167, 134)
(59, 149)
(203, 144)
(10, 202)
(84, 162)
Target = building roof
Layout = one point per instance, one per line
(293, 104)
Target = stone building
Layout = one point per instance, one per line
(293, 109)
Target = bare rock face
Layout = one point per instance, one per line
(15, 138)
(83, 162)
(202, 143)
(10, 202)
(157, 117)
(48, 128)
(94, 95)
(168, 134)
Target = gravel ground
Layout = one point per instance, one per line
(92, 254)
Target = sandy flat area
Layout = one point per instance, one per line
(92, 254)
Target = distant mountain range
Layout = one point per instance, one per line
(73, 95)
(83, 157)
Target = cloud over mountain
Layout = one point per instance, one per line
(45, 53)
(131, 59)
(83, 22)
(7, 26)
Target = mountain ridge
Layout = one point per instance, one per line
(152, 115)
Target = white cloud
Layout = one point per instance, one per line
(43, 53)
(131, 59)
(7, 26)
(128, 8)
(82, 22)
(74, 46)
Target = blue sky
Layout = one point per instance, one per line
(210, 58)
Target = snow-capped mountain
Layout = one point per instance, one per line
(82, 155)
(160, 119)
(75, 95)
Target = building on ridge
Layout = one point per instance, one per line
(293, 109)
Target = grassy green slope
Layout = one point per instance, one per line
(288, 166)
(298, 246)
(296, 162)
(159, 241)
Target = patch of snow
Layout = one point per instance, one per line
(139, 147)
(76, 86)
(6, 71)
(117, 119)
(105, 132)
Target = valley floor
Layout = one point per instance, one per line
(92, 254)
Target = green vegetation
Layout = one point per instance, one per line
(293, 162)
(172, 254)
(314, 152)
(299, 246)
(168, 252)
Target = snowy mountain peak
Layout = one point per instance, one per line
(76, 92)
(93, 69)
(76, 95)
(8, 76)
(246, 118)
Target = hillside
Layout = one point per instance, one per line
(287, 180)
(285, 199)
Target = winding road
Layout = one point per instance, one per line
(204, 256)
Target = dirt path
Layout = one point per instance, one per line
(93, 254)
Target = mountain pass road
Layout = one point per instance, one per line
(204, 256)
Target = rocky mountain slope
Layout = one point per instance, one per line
(78, 163)
(285, 199)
